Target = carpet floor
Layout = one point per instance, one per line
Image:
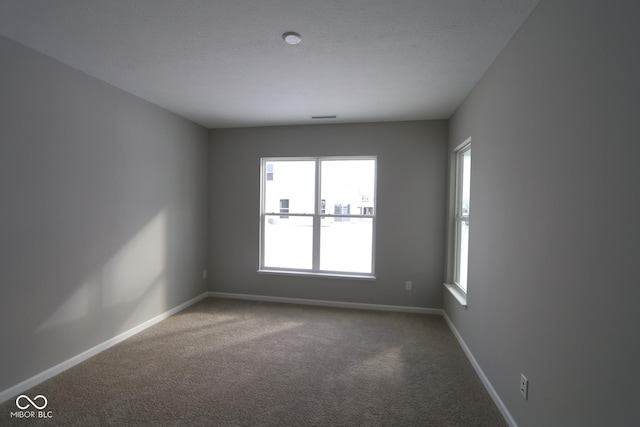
(227, 362)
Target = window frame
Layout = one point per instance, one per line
(317, 215)
(456, 218)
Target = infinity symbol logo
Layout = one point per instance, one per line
(31, 402)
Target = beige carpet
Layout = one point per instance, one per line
(239, 363)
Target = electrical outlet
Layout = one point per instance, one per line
(524, 386)
(204, 274)
(408, 285)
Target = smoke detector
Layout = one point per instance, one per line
(291, 37)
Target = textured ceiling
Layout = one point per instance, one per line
(223, 63)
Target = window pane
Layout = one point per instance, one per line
(347, 187)
(466, 182)
(346, 245)
(293, 181)
(463, 261)
(288, 241)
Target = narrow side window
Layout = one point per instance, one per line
(461, 220)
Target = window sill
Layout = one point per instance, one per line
(311, 274)
(458, 293)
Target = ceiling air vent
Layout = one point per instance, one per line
(323, 117)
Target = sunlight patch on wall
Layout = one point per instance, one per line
(75, 307)
(138, 266)
(134, 274)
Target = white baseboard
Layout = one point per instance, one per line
(324, 303)
(61, 367)
(487, 384)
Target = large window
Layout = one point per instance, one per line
(328, 225)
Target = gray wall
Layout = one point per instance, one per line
(103, 217)
(553, 279)
(411, 196)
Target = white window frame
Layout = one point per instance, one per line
(457, 217)
(317, 215)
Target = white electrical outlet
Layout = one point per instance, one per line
(204, 274)
(408, 285)
(524, 386)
